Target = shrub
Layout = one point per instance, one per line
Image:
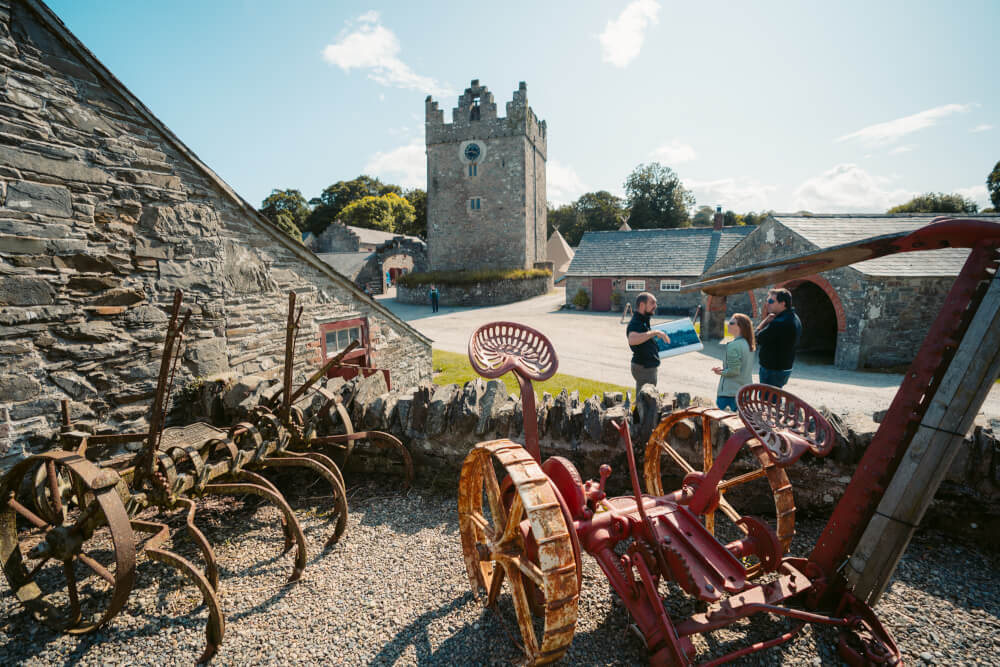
(581, 299)
(617, 299)
(469, 277)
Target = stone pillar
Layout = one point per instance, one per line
(715, 318)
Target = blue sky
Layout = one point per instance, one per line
(829, 107)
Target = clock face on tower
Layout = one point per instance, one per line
(472, 152)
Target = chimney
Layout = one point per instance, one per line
(717, 219)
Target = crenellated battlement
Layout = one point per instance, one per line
(475, 116)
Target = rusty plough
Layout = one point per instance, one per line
(70, 526)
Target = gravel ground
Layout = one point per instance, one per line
(394, 591)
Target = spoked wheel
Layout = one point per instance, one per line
(658, 449)
(344, 438)
(529, 542)
(69, 554)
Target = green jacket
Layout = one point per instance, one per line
(737, 370)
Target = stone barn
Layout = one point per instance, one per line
(370, 257)
(104, 213)
(612, 268)
(874, 314)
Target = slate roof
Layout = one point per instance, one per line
(346, 263)
(825, 231)
(653, 252)
(377, 237)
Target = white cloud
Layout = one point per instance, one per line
(405, 166)
(976, 193)
(848, 188)
(622, 38)
(902, 149)
(563, 185)
(984, 127)
(736, 194)
(370, 46)
(674, 153)
(893, 130)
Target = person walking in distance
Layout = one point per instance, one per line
(645, 356)
(777, 337)
(737, 369)
(433, 293)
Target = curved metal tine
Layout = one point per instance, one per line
(384, 440)
(215, 628)
(238, 489)
(323, 460)
(260, 480)
(211, 566)
(339, 493)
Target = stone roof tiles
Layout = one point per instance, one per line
(825, 231)
(653, 252)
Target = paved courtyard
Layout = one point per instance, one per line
(592, 345)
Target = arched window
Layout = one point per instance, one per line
(474, 112)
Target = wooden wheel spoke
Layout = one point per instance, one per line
(678, 459)
(742, 479)
(480, 521)
(492, 488)
(510, 530)
(98, 569)
(496, 585)
(522, 609)
(74, 595)
(35, 520)
(528, 568)
(52, 477)
(41, 564)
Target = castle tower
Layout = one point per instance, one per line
(486, 204)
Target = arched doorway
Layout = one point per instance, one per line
(819, 321)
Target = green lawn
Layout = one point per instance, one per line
(453, 368)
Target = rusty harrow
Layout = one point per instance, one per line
(70, 526)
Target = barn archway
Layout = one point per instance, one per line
(817, 303)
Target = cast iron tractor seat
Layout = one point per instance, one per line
(524, 520)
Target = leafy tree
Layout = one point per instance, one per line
(328, 206)
(732, 219)
(418, 200)
(286, 223)
(752, 218)
(993, 186)
(285, 201)
(593, 211)
(565, 220)
(388, 213)
(937, 202)
(657, 198)
(705, 215)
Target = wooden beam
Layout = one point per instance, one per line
(961, 394)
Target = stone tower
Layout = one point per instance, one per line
(486, 204)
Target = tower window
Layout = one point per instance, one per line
(474, 112)
(474, 204)
(473, 170)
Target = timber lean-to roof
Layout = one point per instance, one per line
(687, 251)
(825, 231)
(51, 21)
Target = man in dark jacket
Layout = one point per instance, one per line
(777, 337)
(645, 354)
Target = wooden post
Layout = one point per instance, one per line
(966, 382)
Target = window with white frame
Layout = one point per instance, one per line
(670, 286)
(635, 285)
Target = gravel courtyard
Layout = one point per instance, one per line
(394, 592)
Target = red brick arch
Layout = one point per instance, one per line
(824, 285)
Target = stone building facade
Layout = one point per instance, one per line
(104, 214)
(486, 202)
(873, 314)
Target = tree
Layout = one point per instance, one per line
(286, 223)
(732, 219)
(328, 206)
(993, 186)
(418, 200)
(388, 213)
(752, 218)
(565, 219)
(937, 202)
(285, 201)
(657, 198)
(593, 211)
(705, 215)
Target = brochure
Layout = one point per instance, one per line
(683, 338)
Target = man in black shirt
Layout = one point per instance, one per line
(777, 337)
(645, 356)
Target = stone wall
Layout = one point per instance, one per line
(491, 293)
(505, 228)
(337, 238)
(667, 302)
(439, 424)
(881, 322)
(104, 213)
